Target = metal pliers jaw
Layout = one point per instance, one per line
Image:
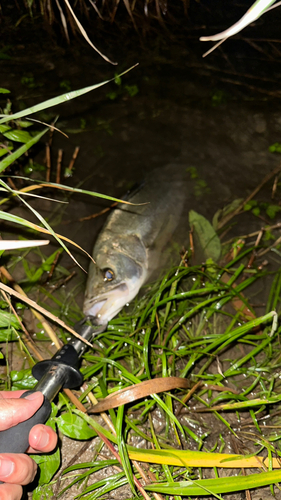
(87, 328)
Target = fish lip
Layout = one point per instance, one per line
(93, 307)
(104, 296)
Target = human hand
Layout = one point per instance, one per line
(19, 469)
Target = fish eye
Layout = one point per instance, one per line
(108, 275)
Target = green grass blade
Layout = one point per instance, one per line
(58, 100)
(96, 426)
(43, 222)
(126, 464)
(63, 187)
(216, 486)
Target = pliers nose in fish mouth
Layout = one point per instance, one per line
(97, 328)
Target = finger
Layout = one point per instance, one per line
(11, 394)
(14, 411)
(17, 468)
(10, 491)
(42, 439)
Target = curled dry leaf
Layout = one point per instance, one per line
(139, 391)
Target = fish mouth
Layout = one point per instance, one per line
(94, 311)
(104, 307)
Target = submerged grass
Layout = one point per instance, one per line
(192, 325)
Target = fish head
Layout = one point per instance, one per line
(113, 281)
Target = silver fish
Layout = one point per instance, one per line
(130, 246)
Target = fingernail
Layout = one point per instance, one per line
(42, 439)
(6, 467)
(33, 395)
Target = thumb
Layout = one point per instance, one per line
(15, 410)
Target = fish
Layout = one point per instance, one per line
(131, 244)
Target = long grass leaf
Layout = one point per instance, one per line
(85, 34)
(58, 100)
(123, 452)
(30, 225)
(63, 187)
(186, 458)
(221, 485)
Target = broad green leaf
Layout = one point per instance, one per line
(4, 91)
(20, 151)
(17, 375)
(8, 319)
(75, 427)
(49, 465)
(8, 335)
(26, 384)
(208, 238)
(22, 379)
(43, 493)
(4, 128)
(15, 134)
(18, 136)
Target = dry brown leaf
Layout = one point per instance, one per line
(139, 391)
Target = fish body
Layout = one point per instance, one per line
(130, 246)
